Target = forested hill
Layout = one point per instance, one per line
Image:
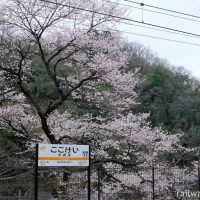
(170, 94)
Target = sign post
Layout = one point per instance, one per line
(89, 177)
(62, 155)
(36, 174)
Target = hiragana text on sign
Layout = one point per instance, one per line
(63, 155)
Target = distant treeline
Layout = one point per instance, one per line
(170, 94)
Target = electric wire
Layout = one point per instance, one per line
(164, 9)
(123, 18)
(157, 12)
(139, 34)
(156, 29)
(161, 38)
(133, 33)
(151, 28)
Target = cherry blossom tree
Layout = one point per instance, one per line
(79, 54)
(72, 49)
(52, 33)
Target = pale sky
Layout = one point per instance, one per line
(177, 54)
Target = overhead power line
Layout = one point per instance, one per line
(164, 9)
(150, 28)
(161, 38)
(156, 29)
(148, 36)
(123, 18)
(138, 34)
(153, 11)
(144, 35)
(171, 15)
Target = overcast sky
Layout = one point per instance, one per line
(177, 54)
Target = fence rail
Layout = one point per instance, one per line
(149, 183)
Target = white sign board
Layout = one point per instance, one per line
(63, 155)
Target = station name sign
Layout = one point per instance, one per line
(63, 155)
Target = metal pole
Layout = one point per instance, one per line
(19, 195)
(36, 174)
(199, 179)
(89, 174)
(153, 183)
(99, 183)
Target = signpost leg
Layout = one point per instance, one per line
(36, 175)
(89, 176)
